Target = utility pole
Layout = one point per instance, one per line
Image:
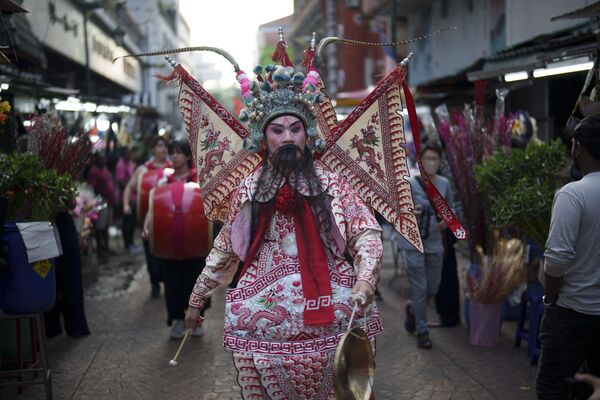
(393, 27)
(332, 67)
(88, 72)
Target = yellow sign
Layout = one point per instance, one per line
(42, 267)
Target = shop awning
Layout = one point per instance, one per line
(570, 43)
(26, 45)
(8, 6)
(590, 11)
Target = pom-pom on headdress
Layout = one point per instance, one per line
(279, 90)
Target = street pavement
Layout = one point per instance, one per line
(127, 356)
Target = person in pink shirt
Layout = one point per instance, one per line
(123, 172)
(100, 179)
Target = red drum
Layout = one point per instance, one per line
(178, 228)
(146, 182)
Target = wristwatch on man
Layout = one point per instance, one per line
(548, 301)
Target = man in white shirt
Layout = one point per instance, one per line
(571, 324)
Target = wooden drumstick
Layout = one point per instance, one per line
(173, 362)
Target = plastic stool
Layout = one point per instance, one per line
(38, 338)
(529, 322)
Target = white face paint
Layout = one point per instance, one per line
(283, 130)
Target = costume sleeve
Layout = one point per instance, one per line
(221, 263)
(564, 230)
(363, 235)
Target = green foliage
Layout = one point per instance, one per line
(34, 193)
(520, 184)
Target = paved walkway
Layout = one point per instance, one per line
(127, 356)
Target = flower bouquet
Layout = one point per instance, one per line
(489, 283)
(468, 140)
(497, 276)
(49, 141)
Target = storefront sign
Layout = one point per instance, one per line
(49, 27)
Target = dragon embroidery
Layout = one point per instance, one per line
(366, 147)
(215, 149)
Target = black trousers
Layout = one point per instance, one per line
(568, 339)
(129, 222)
(179, 278)
(152, 265)
(447, 299)
(69, 284)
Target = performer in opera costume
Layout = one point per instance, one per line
(286, 222)
(292, 187)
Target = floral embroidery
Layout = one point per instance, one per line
(272, 296)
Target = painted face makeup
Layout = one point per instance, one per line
(286, 129)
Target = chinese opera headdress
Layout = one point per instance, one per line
(366, 148)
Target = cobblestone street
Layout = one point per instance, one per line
(127, 356)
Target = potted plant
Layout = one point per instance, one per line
(520, 184)
(34, 194)
(37, 185)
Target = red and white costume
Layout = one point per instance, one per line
(276, 355)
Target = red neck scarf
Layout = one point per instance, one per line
(190, 177)
(314, 271)
(151, 166)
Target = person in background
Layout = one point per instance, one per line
(424, 270)
(570, 326)
(123, 172)
(447, 299)
(159, 147)
(101, 180)
(69, 284)
(179, 276)
(3, 210)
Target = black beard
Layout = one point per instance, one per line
(287, 158)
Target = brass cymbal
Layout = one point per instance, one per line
(354, 366)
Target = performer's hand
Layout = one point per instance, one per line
(366, 288)
(146, 229)
(126, 209)
(592, 381)
(441, 225)
(193, 318)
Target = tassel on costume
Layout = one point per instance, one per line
(309, 57)
(174, 77)
(280, 54)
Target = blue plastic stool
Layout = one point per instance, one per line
(529, 322)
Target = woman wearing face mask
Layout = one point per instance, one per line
(424, 270)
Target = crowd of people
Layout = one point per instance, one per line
(568, 329)
(301, 254)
